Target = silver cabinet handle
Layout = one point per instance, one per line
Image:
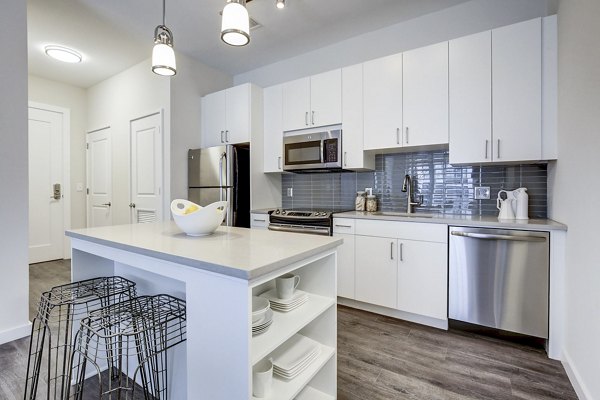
(222, 137)
(306, 118)
(226, 136)
(278, 162)
(498, 149)
(343, 226)
(259, 220)
(312, 118)
(397, 135)
(487, 236)
(103, 204)
(345, 159)
(391, 250)
(401, 251)
(487, 142)
(407, 135)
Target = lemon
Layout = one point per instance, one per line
(190, 209)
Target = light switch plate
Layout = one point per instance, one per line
(290, 192)
(482, 192)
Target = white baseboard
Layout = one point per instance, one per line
(418, 319)
(582, 392)
(15, 333)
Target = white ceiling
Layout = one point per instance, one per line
(116, 34)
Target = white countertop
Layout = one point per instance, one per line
(238, 252)
(460, 220)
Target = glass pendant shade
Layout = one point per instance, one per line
(235, 24)
(163, 60)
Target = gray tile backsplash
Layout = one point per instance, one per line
(445, 188)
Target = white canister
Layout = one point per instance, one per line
(262, 378)
(521, 203)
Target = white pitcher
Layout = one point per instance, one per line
(505, 205)
(521, 203)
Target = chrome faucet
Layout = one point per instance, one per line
(407, 187)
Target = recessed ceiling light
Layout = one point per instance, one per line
(63, 54)
(280, 4)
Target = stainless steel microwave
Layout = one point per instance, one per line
(313, 152)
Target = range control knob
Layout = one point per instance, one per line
(276, 211)
(283, 212)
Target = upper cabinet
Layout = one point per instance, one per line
(425, 92)
(353, 156)
(273, 129)
(227, 115)
(496, 95)
(313, 101)
(517, 91)
(382, 101)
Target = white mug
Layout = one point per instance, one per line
(262, 378)
(286, 285)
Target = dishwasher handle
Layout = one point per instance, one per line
(489, 236)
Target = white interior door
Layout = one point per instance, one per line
(99, 177)
(146, 169)
(46, 208)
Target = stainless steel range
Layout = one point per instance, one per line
(301, 221)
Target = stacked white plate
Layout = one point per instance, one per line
(294, 356)
(285, 305)
(262, 315)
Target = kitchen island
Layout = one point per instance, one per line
(217, 275)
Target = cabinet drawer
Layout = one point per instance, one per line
(259, 220)
(402, 230)
(343, 225)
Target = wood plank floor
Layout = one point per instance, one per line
(379, 358)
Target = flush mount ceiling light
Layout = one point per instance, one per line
(63, 54)
(235, 23)
(163, 56)
(280, 4)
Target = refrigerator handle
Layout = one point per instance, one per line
(223, 157)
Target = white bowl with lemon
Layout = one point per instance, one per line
(196, 220)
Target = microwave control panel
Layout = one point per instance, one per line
(331, 150)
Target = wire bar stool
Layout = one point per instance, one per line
(125, 346)
(59, 312)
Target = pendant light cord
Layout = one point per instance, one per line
(164, 10)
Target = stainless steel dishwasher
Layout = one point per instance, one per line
(499, 278)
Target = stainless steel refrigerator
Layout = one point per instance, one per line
(222, 173)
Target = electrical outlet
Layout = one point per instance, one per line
(290, 192)
(482, 192)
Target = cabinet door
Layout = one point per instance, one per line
(423, 278)
(326, 98)
(213, 119)
(296, 104)
(345, 266)
(382, 83)
(237, 109)
(517, 91)
(273, 129)
(425, 90)
(470, 94)
(376, 270)
(259, 221)
(353, 156)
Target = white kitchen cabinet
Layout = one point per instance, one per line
(227, 115)
(470, 98)
(259, 221)
(376, 270)
(382, 101)
(425, 95)
(313, 101)
(346, 266)
(517, 91)
(354, 156)
(423, 278)
(273, 129)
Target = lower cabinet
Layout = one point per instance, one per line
(423, 278)
(345, 266)
(377, 270)
(259, 221)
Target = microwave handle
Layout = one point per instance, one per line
(322, 151)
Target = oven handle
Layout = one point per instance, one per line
(487, 236)
(311, 230)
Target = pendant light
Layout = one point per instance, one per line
(280, 4)
(163, 56)
(235, 23)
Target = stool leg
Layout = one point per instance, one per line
(34, 363)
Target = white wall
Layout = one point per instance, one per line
(75, 99)
(133, 93)
(576, 192)
(14, 285)
(193, 80)
(463, 19)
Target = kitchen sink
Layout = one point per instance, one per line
(401, 214)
